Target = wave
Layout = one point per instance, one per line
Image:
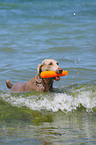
(69, 99)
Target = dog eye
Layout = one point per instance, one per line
(57, 63)
(50, 63)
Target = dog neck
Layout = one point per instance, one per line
(46, 83)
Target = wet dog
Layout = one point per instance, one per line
(37, 83)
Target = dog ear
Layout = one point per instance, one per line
(39, 68)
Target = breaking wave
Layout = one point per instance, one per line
(70, 100)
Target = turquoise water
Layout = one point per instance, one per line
(31, 31)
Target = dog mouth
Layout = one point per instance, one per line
(57, 78)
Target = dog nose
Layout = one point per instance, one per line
(60, 70)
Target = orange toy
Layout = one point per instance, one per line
(51, 74)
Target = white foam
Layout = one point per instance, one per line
(54, 102)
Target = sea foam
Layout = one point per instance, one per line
(53, 102)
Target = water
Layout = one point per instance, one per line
(31, 31)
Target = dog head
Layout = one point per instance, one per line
(50, 65)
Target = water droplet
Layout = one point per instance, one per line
(74, 14)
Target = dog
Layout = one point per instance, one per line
(37, 83)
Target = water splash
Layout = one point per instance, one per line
(54, 101)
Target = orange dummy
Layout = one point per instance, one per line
(51, 74)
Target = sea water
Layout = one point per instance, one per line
(31, 31)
